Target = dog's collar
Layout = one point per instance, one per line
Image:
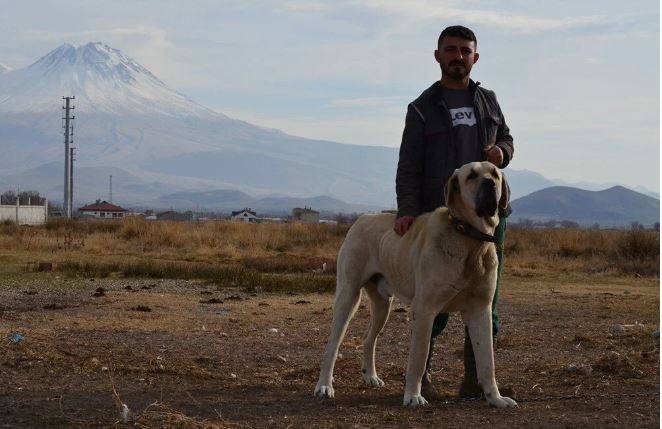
(468, 230)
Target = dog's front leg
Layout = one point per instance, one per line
(418, 352)
(478, 320)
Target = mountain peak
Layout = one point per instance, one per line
(617, 205)
(618, 188)
(102, 78)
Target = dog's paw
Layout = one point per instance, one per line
(373, 380)
(324, 391)
(414, 401)
(502, 402)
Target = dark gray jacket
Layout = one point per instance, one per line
(427, 152)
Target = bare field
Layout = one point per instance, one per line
(236, 337)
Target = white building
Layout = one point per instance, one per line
(245, 215)
(305, 214)
(102, 210)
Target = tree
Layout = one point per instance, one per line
(525, 223)
(346, 218)
(8, 197)
(24, 198)
(31, 198)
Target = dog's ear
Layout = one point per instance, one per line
(505, 192)
(452, 188)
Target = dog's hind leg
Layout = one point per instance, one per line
(380, 306)
(348, 295)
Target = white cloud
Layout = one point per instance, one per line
(156, 36)
(305, 6)
(430, 10)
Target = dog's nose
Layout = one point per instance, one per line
(486, 203)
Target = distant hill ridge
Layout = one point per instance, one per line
(226, 200)
(616, 206)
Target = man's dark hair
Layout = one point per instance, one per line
(457, 31)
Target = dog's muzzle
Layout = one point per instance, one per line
(486, 199)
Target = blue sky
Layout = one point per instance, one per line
(577, 81)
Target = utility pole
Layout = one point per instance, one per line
(68, 162)
(110, 194)
(71, 180)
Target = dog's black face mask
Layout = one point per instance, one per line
(486, 199)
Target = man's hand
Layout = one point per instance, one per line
(494, 155)
(402, 224)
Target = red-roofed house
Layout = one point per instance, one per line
(102, 210)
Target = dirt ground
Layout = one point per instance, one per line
(252, 360)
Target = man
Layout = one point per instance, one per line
(453, 122)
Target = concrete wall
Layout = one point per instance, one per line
(24, 215)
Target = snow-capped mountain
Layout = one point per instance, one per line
(4, 68)
(127, 118)
(103, 79)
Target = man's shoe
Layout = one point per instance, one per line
(427, 388)
(470, 388)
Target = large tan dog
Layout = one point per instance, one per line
(440, 264)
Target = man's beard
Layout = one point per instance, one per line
(456, 70)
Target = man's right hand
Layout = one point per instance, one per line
(402, 224)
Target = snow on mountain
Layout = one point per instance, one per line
(127, 118)
(4, 68)
(103, 79)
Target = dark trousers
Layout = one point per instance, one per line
(441, 320)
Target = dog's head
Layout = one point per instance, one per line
(477, 189)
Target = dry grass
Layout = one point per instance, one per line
(240, 253)
(586, 251)
(228, 275)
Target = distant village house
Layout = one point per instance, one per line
(102, 210)
(305, 214)
(245, 215)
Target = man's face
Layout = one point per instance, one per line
(456, 57)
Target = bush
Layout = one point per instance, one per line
(638, 244)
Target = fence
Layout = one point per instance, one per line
(24, 215)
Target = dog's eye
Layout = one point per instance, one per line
(472, 175)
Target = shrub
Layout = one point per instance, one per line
(638, 244)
